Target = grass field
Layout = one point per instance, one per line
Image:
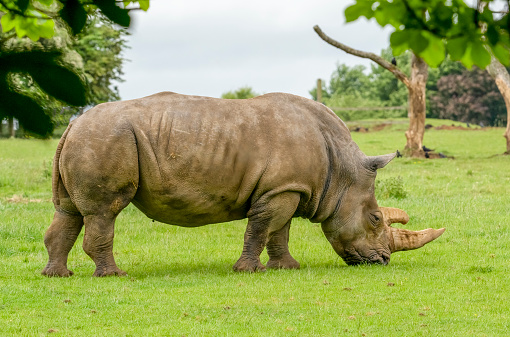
(180, 281)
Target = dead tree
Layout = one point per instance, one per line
(415, 86)
(502, 79)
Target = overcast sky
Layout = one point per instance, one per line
(206, 48)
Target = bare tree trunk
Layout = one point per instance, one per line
(11, 127)
(415, 86)
(502, 79)
(417, 107)
(319, 90)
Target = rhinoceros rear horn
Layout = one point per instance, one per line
(376, 162)
(394, 215)
(403, 239)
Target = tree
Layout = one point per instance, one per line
(36, 19)
(350, 87)
(436, 28)
(415, 84)
(385, 86)
(502, 79)
(241, 93)
(100, 44)
(471, 97)
(432, 29)
(94, 55)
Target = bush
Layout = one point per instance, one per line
(390, 188)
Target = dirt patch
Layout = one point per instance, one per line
(452, 127)
(359, 129)
(427, 153)
(18, 199)
(380, 127)
(363, 129)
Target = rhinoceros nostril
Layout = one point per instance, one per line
(385, 259)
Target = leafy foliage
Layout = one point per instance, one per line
(241, 93)
(471, 97)
(100, 45)
(432, 29)
(52, 78)
(37, 19)
(354, 87)
(453, 92)
(390, 188)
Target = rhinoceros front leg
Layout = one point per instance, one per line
(98, 244)
(59, 239)
(266, 217)
(278, 250)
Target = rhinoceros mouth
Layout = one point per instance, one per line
(353, 258)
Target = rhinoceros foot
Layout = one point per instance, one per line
(109, 271)
(287, 262)
(56, 271)
(249, 265)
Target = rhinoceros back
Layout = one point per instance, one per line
(203, 160)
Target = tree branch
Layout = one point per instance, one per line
(376, 58)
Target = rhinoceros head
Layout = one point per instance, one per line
(361, 232)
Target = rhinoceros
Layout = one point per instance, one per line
(191, 161)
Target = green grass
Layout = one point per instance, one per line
(181, 282)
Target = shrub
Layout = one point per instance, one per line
(390, 188)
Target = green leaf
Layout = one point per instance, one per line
(8, 22)
(492, 35)
(144, 4)
(46, 2)
(399, 41)
(467, 59)
(360, 8)
(28, 27)
(442, 16)
(457, 47)
(74, 15)
(47, 29)
(435, 52)
(419, 41)
(502, 54)
(22, 5)
(113, 12)
(394, 13)
(480, 56)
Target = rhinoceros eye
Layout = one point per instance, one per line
(375, 219)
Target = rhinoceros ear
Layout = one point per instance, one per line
(376, 162)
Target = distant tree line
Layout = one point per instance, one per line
(453, 92)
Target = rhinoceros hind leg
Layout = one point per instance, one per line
(59, 239)
(265, 218)
(278, 250)
(98, 244)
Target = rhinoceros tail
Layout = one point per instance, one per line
(55, 180)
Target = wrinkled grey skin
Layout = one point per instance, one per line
(192, 161)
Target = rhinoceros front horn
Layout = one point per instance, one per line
(403, 239)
